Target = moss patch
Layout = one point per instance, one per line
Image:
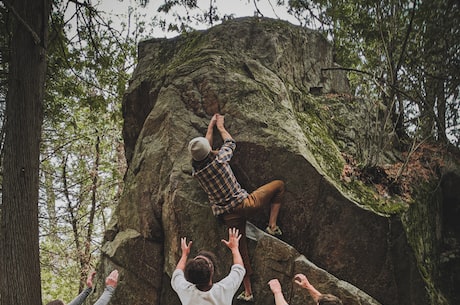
(324, 127)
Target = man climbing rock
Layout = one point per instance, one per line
(229, 201)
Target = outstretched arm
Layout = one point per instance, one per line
(85, 293)
(302, 281)
(220, 123)
(232, 244)
(210, 130)
(185, 252)
(275, 287)
(111, 282)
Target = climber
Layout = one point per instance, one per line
(302, 281)
(193, 279)
(229, 201)
(111, 283)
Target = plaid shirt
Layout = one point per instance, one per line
(219, 182)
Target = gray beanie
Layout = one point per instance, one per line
(199, 148)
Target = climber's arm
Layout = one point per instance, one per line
(210, 130)
(185, 252)
(220, 126)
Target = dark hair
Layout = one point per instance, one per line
(55, 302)
(198, 271)
(329, 299)
(211, 256)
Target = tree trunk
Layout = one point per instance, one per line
(441, 113)
(19, 243)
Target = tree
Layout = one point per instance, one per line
(432, 70)
(82, 150)
(4, 47)
(20, 269)
(408, 59)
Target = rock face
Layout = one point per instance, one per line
(259, 73)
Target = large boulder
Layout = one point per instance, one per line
(266, 76)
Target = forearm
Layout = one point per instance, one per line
(81, 297)
(106, 296)
(224, 133)
(279, 299)
(181, 263)
(237, 259)
(209, 134)
(315, 294)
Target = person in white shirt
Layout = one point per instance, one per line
(192, 279)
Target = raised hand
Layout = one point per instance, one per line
(213, 120)
(301, 280)
(89, 280)
(185, 247)
(112, 279)
(233, 239)
(275, 286)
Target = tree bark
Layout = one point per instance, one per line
(19, 242)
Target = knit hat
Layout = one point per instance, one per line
(199, 148)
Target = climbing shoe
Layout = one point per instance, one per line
(276, 231)
(243, 297)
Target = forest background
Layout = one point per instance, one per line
(65, 64)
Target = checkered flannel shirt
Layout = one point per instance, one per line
(219, 182)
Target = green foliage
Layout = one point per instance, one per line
(405, 64)
(58, 271)
(185, 15)
(399, 53)
(83, 160)
(315, 117)
(408, 58)
(433, 63)
(422, 236)
(326, 123)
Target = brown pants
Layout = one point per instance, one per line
(270, 193)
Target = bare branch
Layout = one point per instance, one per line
(347, 69)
